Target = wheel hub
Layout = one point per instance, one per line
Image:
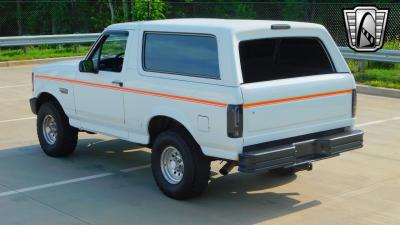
(49, 129)
(172, 166)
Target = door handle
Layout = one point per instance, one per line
(119, 83)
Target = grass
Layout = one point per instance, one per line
(392, 44)
(378, 74)
(42, 52)
(353, 65)
(389, 78)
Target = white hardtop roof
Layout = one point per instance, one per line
(232, 25)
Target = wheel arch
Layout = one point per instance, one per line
(162, 122)
(46, 97)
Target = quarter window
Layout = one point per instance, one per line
(182, 54)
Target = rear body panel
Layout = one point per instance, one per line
(290, 107)
(300, 152)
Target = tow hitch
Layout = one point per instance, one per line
(304, 166)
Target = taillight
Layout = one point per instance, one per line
(353, 103)
(33, 82)
(235, 121)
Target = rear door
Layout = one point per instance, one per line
(291, 88)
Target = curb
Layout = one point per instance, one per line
(36, 61)
(379, 91)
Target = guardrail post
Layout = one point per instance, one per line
(77, 47)
(362, 65)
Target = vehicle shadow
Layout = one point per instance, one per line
(243, 198)
(233, 199)
(248, 198)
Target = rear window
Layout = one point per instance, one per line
(280, 58)
(182, 54)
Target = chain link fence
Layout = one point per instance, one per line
(66, 17)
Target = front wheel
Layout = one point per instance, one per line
(57, 138)
(179, 168)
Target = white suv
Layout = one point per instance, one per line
(260, 95)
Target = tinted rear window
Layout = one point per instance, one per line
(191, 55)
(280, 58)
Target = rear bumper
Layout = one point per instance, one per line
(297, 153)
(32, 103)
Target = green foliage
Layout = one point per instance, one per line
(42, 52)
(149, 10)
(393, 44)
(65, 17)
(380, 77)
(380, 65)
(236, 10)
(292, 10)
(353, 65)
(378, 83)
(380, 74)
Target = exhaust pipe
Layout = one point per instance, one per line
(229, 165)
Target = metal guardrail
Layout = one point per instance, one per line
(48, 39)
(381, 55)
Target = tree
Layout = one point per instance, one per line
(149, 10)
(19, 17)
(125, 10)
(111, 7)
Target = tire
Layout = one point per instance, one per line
(283, 171)
(63, 141)
(195, 170)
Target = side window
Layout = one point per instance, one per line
(182, 54)
(109, 56)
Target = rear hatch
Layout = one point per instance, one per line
(291, 88)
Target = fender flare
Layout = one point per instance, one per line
(173, 114)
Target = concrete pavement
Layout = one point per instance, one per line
(108, 181)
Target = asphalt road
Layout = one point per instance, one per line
(108, 181)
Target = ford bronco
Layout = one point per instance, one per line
(260, 95)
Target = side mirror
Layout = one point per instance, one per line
(86, 66)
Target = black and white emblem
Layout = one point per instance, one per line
(365, 27)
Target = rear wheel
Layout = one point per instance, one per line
(179, 168)
(57, 138)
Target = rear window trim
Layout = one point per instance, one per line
(218, 77)
(289, 37)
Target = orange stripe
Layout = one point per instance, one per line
(175, 97)
(297, 98)
(195, 100)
